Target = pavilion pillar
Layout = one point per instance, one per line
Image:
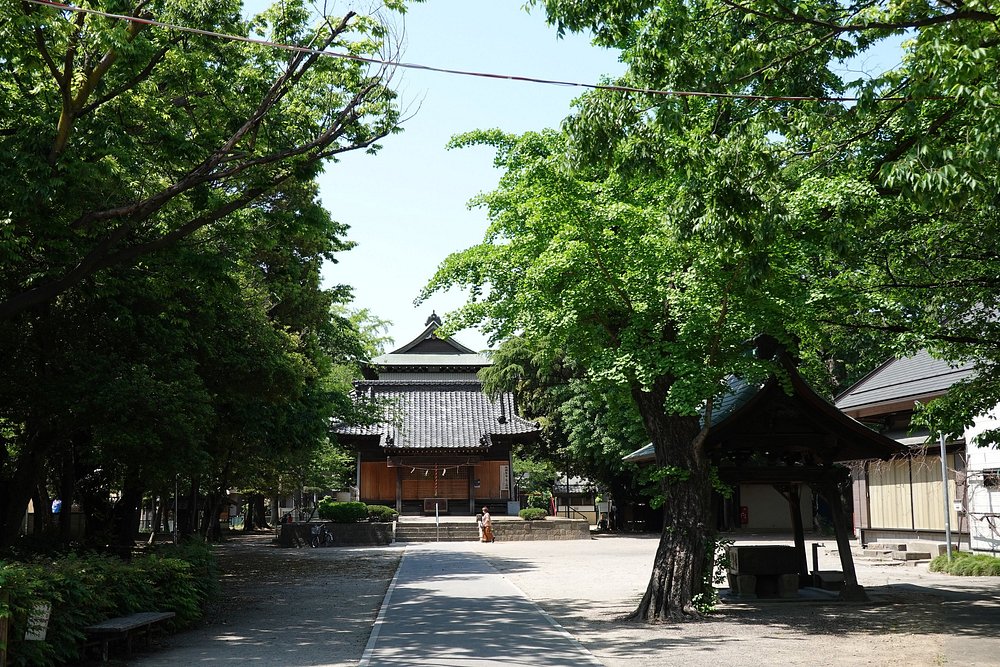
(794, 498)
(852, 592)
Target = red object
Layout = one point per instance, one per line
(744, 515)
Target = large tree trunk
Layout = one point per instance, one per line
(18, 479)
(685, 554)
(126, 518)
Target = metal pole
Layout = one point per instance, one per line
(947, 503)
(176, 493)
(437, 523)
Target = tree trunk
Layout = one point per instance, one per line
(125, 524)
(67, 491)
(41, 519)
(685, 554)
(157, 522)
(20, 476)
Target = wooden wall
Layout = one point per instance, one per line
(909, 495)
(378, 482)
(488, 474)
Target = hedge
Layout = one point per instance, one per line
(353, 512)
(533, 513)
(86, 589)
(966, 564)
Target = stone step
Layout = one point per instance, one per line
(935, 548)
(889, 546)
(431, 533)
(911, 555)
(876, 553)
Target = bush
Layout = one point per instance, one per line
(84, 590)
(331, 510)
(381, 513)
(533, 513)
(965, 564)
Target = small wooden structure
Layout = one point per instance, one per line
(783, 434)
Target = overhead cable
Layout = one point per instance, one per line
(457, 72)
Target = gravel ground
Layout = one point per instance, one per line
(915, 617)
(286, 607)
(316, 607)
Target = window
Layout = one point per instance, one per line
(991, 478)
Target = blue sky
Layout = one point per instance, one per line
(407, 205)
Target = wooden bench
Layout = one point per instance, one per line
(123, 627)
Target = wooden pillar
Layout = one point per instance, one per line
(472, 489)
(795, 507)
(399, 489)
(852, 592)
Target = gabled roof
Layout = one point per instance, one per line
(429, 351)
(918, 377)
(429, 415)
(765, 418)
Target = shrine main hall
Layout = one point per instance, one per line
(441, 444)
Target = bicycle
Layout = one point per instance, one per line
(320, 536)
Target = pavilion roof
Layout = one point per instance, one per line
(764, 418)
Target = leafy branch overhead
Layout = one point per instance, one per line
(132, 138)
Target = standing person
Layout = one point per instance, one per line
(487, 526)
(479, 525)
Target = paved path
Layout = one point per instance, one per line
(451, 608)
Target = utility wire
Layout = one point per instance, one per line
(457, 72)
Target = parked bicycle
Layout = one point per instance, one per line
(321, 536)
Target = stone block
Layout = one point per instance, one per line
(743, 585)
(788, 585)
(911, 555)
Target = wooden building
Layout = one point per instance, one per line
(442, 444)
(903, 499)
(778, 443)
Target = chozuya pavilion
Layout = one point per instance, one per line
(443, 445)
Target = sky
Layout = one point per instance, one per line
(407, 205)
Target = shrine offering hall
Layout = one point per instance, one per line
(441, 444)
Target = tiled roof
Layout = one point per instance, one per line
(438, 415)
(911, 377)
(738, 393)
(464, 360)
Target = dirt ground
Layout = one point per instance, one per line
(914, 618)
(316, 607)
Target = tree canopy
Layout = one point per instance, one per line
(659, 232)
(161, 243)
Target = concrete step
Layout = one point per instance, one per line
(876, 553)
(911, 555)
(431, 533)
(934, 548)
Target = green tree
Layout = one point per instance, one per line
(587, 427)
(906, 177)
(653, 281)
(160, 244)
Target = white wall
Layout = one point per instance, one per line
(768, 509)
(983, 503)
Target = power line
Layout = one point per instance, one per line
(455, 72)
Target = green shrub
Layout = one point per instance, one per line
(533, 513)
(331, 510)
(965, 564)
(87, 589)
(381, 513)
